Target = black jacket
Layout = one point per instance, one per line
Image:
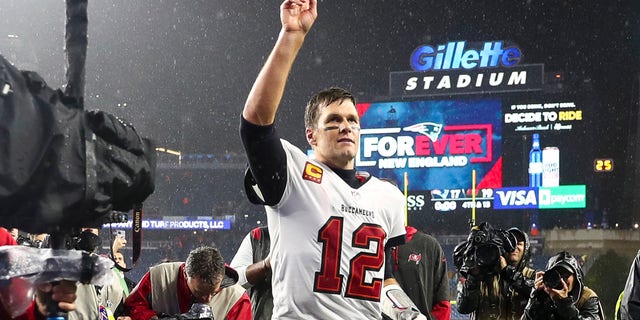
(630, 304)
(502, 296)
(581, 303)
(420, 268)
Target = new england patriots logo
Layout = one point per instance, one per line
(429, 129)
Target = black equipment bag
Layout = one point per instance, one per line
(62, 167)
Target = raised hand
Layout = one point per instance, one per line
(298, 15)
(64, 293)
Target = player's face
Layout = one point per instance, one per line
(336, 137)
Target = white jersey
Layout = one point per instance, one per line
(327, 242)
(243, 259)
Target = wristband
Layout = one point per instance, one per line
(396, 305)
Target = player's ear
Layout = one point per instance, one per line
(311, 136)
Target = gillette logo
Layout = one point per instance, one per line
(463, 67)
(455, 55)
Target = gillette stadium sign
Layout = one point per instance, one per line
(465, 68)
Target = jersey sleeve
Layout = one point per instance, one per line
(397, 230)
(242, 259)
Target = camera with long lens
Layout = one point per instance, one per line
(554, 276)
(479, 237)
(552, 279)
(481, 252)
(65, 168)
(78, 168)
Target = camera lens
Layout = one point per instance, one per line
(552, 279)
(479, 237)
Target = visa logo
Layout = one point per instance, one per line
(516, 198)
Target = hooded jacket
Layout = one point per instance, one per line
(503, 296)
(581, 302)
(629, 304)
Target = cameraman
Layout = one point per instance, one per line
(170, 290)
(499, 290)
(560, 294)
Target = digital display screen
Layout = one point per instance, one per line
(438, 143)
(522, 150)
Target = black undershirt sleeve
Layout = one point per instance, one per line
(389, 261)
(396, 241)
(267, 159)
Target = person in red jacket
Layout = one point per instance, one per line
(172, 288)
(6, 238)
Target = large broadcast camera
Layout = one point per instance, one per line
(480, 253)
(63, 168)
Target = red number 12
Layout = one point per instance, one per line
(329, 279)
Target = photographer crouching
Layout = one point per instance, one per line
(495, 278)
(560, 293)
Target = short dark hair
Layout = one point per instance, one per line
(205, 263)
(322, 99)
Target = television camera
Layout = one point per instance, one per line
(480, 253)
(63, 168)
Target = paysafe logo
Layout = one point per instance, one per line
(561, 197)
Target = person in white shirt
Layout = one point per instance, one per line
(329, 225)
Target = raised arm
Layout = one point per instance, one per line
(297, 17)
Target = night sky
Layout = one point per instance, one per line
(184, 68)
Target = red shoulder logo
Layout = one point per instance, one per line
(312, 173)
